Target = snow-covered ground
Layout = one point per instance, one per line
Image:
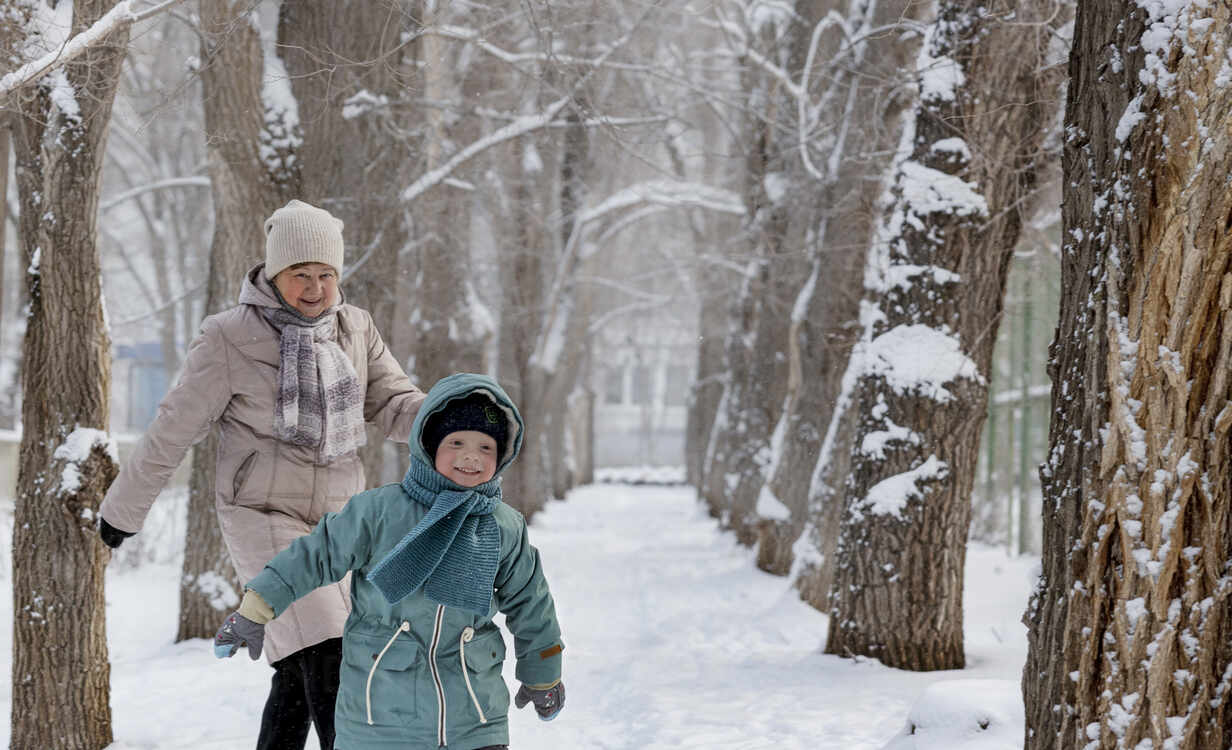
(673, 640)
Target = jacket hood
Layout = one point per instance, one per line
(258, 290)
(457, 386)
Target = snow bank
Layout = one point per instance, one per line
(964, 715)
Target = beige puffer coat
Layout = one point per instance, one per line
(268, 492)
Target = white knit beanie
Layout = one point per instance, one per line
(302, 233)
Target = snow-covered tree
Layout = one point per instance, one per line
(1130, 641)
(451, 326)
(935, 282)
(852, 94)
(61, 673)
(755, 361)
(246, 186)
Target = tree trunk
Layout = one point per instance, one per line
(566, 366)
(527, 480)
(1025, 543)
(243, 193)
(824, 322)
(6, 140)
(707, 388)
(350, 74)
(452, 326)
(937, 286)
(755, 350)
(61, 674)
(1130, 641)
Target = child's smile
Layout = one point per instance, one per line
(467, 457)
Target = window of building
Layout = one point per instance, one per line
(614, 387)
(676, 390)
(643, 385)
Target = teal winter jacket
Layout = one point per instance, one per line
(418, 674)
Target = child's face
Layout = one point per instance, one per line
(467, 457)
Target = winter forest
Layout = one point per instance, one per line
(871, 352)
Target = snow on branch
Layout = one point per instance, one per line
(76, 449)
(919, 359)
(170, 182)
(118, 17)
(672, 193)
(927, 191)
(471, 36)
(891, 495)
(519, 127)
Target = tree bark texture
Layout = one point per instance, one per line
(935, 290)
(824, 323)
(351, 75)
(452, 327)
(244, 193)
(716, 241)
(61, 673)
(570, 318)
(755, 349)
(1130, 641)
(527, 481)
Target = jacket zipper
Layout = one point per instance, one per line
(404, 627)
(467, 634)
(436, 676)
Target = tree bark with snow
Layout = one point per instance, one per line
(755, 349)
(61, 673)
(451, 324)
(350, 72)
(244, 191)
(854, 99)
(935, 285)
(1130, 641)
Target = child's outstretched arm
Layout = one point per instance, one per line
(530, 614)
(244, 627)
(340, 542)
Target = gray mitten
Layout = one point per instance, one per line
(237, 631)
(547, 702)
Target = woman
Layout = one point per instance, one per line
(289, 375)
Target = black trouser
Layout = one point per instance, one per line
(302, 693)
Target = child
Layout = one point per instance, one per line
(433, 560)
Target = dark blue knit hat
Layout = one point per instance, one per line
(474, 412)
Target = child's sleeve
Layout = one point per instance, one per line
(530, 613)
(340, 542)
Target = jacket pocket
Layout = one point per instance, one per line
(242, 472)
(381, 677)
(483, 657)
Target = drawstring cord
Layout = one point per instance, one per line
(404, 627)
(467, 634)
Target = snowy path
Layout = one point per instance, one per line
(673, 640)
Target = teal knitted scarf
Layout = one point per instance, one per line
(453, 551)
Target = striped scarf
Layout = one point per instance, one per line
(320, 401)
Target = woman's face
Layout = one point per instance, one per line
(468, 457)
(310, 288)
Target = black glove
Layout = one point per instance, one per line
(547, 702)
(237, 631)
(112, 537)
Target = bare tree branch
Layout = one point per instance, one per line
(170, 182)
(119, 17)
